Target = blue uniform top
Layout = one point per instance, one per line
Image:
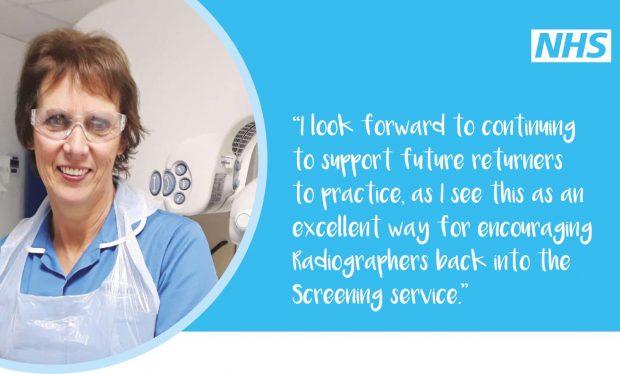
(175, 250)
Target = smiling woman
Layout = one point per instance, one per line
(75, 168)
(99, 268)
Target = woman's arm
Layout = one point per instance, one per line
(187, 274)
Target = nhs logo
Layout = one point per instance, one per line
(571, 45)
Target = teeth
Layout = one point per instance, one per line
(72, 171)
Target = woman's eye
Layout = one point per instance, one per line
(98, 125)
(57, 121)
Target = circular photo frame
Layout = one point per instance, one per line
(205, 153)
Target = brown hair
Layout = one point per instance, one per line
(100, 66)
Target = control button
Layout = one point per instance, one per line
(169, 183)
(155, 183)
(179, 198)
(180, 169)
(185, 183)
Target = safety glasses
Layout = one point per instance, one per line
(57, 124)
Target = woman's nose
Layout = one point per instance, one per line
(76, 143)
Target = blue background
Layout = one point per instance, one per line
(404, 61)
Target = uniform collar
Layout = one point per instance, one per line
(43, 245)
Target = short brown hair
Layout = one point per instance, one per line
(101, 67)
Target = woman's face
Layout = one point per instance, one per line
(74, 171)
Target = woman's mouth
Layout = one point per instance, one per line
(73, 174)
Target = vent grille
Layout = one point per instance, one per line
(243, 137)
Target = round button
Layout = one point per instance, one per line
(242, 220)
(179, 198)
(169, 183)
(185, 183)
(180, 169)
(155, 183)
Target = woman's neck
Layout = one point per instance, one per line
(75, 227)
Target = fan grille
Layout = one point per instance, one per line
(243, 137)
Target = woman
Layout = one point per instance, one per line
(99, 268)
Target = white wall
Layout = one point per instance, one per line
(12, 201)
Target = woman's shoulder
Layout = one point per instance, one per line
(172, 229)
(171, 241)
(167, 222)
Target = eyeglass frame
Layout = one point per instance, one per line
(33, 120)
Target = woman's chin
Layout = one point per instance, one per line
(73, 198)
(73, 194)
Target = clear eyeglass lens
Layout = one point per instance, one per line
(58, 124)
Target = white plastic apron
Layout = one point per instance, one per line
(67, 329)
